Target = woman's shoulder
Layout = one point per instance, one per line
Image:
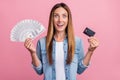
(78, 42)
(78, 38)
(42, 40)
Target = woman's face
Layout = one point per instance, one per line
(60, 19)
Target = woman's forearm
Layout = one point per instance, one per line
(35, 59)
(87, 58)
(94, 43)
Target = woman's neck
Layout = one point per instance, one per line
(59, 36)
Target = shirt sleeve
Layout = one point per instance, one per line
(81, 66)
(38, 69)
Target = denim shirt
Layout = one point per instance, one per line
(71, 70)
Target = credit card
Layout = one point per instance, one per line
(89, 32)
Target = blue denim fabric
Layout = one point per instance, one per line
(71, 70)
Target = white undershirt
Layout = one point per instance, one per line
(59, 66)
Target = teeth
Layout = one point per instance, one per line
(60, 24)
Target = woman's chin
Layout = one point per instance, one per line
(60, 30)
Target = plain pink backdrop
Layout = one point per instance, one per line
(103, 16)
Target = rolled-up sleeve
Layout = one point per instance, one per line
(38, 69)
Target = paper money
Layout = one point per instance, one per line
(26, 29)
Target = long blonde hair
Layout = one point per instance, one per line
(69, 31)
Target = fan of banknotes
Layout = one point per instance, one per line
(27, 28)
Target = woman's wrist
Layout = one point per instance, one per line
(33, 52)
(91, 49)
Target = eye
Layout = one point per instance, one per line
(64, 16)
(56, 16)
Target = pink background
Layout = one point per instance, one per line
(103, 16)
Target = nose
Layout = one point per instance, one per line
(60, 18)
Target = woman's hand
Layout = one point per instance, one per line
(94, 43)
(29, 45)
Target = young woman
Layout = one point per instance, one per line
(60, 55)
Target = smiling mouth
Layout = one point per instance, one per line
(60, 25)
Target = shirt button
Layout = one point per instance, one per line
(66, 69)
(66, 78)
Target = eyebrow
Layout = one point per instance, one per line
(63, 13)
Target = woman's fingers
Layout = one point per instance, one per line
(28, 44)
(93, 42)
(27, 41)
